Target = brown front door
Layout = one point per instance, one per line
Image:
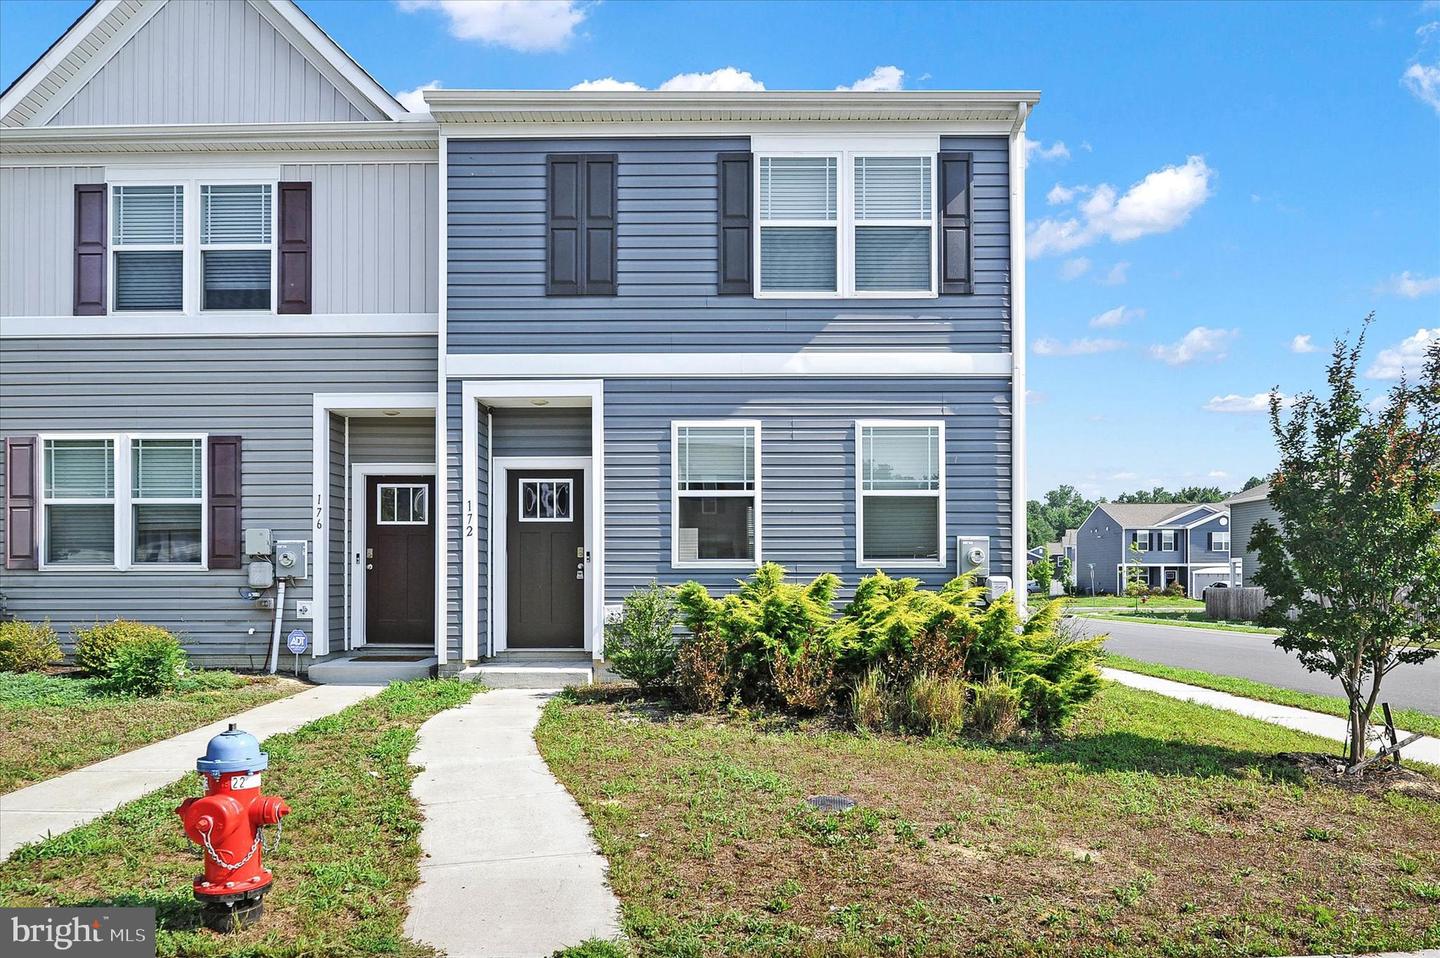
(545, 559)
(400, 560)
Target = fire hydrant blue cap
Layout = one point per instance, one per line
(232, 751)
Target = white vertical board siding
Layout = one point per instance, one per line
(73, 63)
(37, 238)
(260, 390)
(376, 236)
(208, 61)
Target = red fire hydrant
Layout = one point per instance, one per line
(228, 823)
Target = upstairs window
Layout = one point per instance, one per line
(1142, 540)
(1219, 542)
(799, 224)
(235, 246)
(716, 494)
(900, 502)
(148, 239)
(1167, 540)
(893, 224)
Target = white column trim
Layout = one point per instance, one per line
(442, 417)
(1018, 532)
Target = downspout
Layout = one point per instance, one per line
(345, 487)
(1018, 533)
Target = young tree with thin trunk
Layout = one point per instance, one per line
(1353, 571)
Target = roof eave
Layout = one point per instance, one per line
(361, 134)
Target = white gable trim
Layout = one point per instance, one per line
(63, 47)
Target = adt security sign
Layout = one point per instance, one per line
(296, 642)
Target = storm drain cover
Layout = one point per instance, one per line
(831, 803)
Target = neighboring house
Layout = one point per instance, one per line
(1188, 544)
(1246, 509)
(669, 336)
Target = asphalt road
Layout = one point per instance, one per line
(1250, 656)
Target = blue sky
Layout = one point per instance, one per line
(1232, 176)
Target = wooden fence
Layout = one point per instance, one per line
(1239, 604)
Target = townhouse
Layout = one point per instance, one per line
(1184, 544)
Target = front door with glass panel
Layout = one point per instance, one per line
(399, 560)
(545, 559)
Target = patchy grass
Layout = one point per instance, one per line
(1126, 602)
(1408, 719)
(1157, 827)
(344, 869)
(1189, 620)
(52, 723)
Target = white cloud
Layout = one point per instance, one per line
(1124, 476)
(1260, 402)
(1217, 474)
(1074, 268)
(1117, 275)
(726, 78)
(1423, 80)
(1035, 150)
(1302, 344)
(1045, 346)
(530, 26)
(1410, 287)
(1060, 195)
(606, 83)
(1202, 342)
(880, 79)
(1406, 358)
(1118, 316)
(414, 100)
(1159, 203)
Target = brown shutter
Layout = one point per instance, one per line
(22, 503)
(295, 248)
(956, 206)
(224, 503)
(600, 220)
(736, 215)
(563, 220)
(89, 280)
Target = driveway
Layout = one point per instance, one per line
(1249, 656)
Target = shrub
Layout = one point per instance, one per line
(145, 666)
(804, 681)
(640, 642)
(995, 712)
(27, 647)
(906, 630)
(1053, 672)
(1175, 590)
(702, 673)
(870, 703)
(97, 645)
(935, 706)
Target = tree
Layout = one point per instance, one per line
(1063, 508)
(1252, 482)
(1188, 494)
(1137, 577)
(1353, 571)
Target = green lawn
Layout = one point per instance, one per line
(1189, 620)
(345, 867)
(1124, 602)
(52, 723)
(1408, 719)
(1157, 827)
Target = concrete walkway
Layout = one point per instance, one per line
(509, 867)
(59, 804)
(1302, 720)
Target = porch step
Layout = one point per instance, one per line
(535, 670)
(372, 668)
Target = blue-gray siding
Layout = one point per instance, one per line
(666, 265)
(1243, 518)
(540, 432)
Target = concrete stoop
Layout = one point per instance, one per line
(373, 667)
(531, 670)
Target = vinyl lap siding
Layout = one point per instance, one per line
(37, 237)
(260, 390)
(525, 432)
(176, 70)
(667, 261)
(402, 439)
(1243, 518)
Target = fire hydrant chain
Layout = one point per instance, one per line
(210, 849)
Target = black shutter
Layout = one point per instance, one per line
(22, 502)
(223, 503)
(295, 249)
(736, 216)
(580, 224)
(956, 206)
(90, 241)
(600, 225)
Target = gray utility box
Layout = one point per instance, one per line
(292, 558)
(259, 542)
(972, 556)
(262, 573)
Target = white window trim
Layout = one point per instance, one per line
(1168, 542)
(676, 494)
(939, 494)
(1214, 538)
(1142, 540)
(570, 483)
(192, 268)
(123, 500)
(845, 209)
(424, 496)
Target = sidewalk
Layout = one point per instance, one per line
(1302, 720)
(59, 804)
(509, 867)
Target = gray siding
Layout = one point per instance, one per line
(402, 439)
(1200, 552)
(209, 61)
(666, 265)
(376, 234)
(1098, 541)
(260, 390)
(1243, 518)
(468, 523)
(536, 432)
(37, 238)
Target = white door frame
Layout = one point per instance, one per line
(359, 472)
(501, 467)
